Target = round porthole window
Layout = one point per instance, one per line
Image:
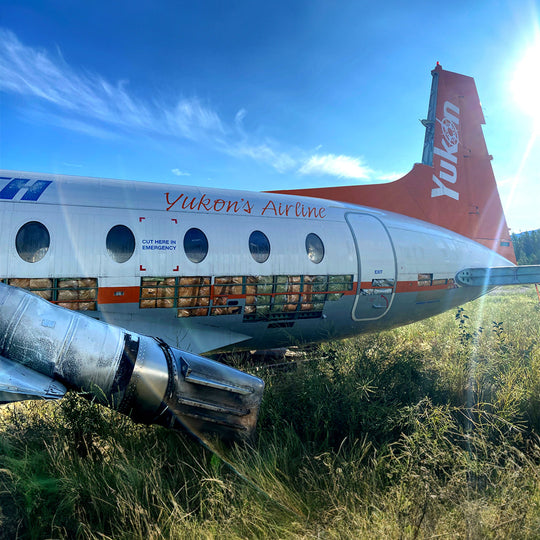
(32, 241)
(259, 246)
(120, 243)
(195, 245)
(314, 248)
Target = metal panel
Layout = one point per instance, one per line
(376, 267)
(429, 123)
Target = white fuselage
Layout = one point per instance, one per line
(378, 269)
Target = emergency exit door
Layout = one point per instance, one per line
(376, 267)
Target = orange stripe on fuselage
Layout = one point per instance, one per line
(412, 286)
(131, 295)
(118, 295)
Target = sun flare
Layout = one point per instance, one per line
(526, 83)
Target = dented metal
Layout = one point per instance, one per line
(46, 349)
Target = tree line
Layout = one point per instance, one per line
(527, 247)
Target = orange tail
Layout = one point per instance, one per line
(454, 186)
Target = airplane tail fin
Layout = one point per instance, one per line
(454, 186)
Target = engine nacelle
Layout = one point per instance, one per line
(135, 374)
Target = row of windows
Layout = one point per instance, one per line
(258, 298)
(79, 294)
(426, 280)
(280, 297)
(33, 240)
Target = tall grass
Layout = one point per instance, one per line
(431, 430)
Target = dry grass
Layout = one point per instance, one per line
(428, 431)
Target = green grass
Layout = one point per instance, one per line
(430, 430)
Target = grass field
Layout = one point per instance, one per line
(427, 431)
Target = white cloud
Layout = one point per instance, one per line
(75, 165)
(239, 118)
(70, 123)
(87, 103)
(281, 161)
(193, 120)
(506, 182)
(340, 166)
(178, 172)
(32, 72)
(390, 177)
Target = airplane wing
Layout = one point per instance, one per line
(498, 276)
(18, 383)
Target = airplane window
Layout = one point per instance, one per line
(195, 245)
(120, 243)
(259, 246)
(314, 248)
(32, 241)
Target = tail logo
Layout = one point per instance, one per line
(447, 154)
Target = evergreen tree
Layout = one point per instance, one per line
(527, 247)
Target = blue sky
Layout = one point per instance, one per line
(258, 95)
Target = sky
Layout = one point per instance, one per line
(262, 95)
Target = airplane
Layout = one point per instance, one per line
(92, 267)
